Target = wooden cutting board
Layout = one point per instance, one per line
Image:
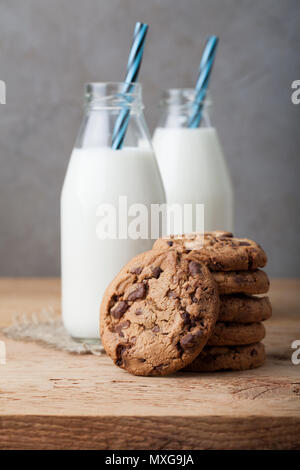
(55, 400)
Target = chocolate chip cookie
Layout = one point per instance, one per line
(214, 358)
(220, 251)
(159, 312)
(232, 334)
(246, 282)
(243, 308)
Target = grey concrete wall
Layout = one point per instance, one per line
(48, 49)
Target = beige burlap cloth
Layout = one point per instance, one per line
(47, 328)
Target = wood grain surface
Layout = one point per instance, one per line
(55, 400)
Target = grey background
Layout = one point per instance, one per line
(49, 49)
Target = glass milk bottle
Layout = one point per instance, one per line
(100, 190)
(191, 161)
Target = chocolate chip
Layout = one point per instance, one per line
(139, 292)
(244, 244)
(141, 359)
(225, 235)
(190, 340)
(171, 294)
(139, 311)
(119, 310)
(121, 326)
(194, 300)
(120, 349)
(156, 329)
(186, 318)
(194, 268)
(137, 270)
(170, 243)
(156, 272)
(187, 341)
(253, 352)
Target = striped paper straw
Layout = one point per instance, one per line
(133, 67)
(205, 69)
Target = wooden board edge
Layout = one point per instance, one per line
(155, 433)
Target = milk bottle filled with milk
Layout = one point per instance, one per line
(103, 189)
(191, 160)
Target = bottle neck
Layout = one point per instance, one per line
(113, 96)
(178, 106)
(111, 108)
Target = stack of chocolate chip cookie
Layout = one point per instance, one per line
(190, 303)
(234, 263)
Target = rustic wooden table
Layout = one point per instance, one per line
(51, 399)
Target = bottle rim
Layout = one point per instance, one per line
(181, 98)
(113, 95)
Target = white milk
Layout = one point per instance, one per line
(96, 176)
(194, 170)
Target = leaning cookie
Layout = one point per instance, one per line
(220, 251)
(159, 312)
(245, 282)
(236, 334)
(243, 308)
(214, 358)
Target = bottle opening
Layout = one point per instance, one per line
(115, 95)
(181, 97)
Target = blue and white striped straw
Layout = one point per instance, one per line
(205, 69)
(133, 67)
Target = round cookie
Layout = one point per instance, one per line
(159, 312)
(243, 308)
(236, 334)
(214, 358)
(245, 282)
(220, 251)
